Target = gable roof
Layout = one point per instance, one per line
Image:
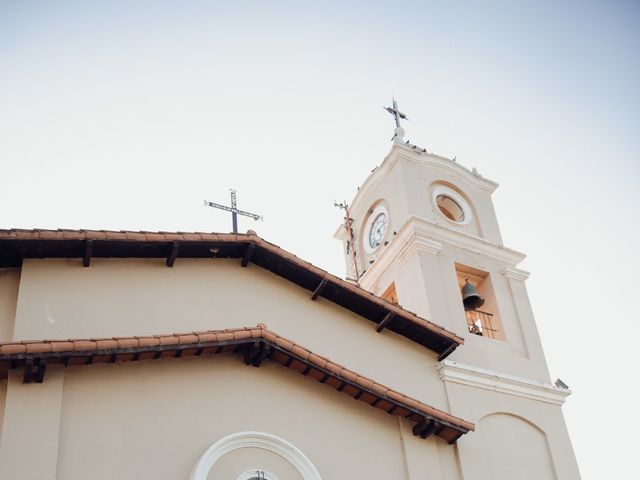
(17, 244)
(255, 344)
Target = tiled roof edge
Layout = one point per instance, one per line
(16, 351)
(252, 237)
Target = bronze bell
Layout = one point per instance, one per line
(470, 297)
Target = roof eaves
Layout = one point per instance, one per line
(255, 343)
(115, 243)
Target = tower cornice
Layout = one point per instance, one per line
(420, 235)
(417, 155)
(473, 376)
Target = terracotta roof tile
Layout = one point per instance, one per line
(172, 237)
(379, 389)
(207, 337)
(239, 335)
(81, 345)
(149, 341)
(128, 342)
(106, 344)
(135, 236)
(286, 344)
(187, 339)
(256, 332)
(317, 360)
(225, 336)
(267, 335)
(365, 382)
(131, 237)
(38, 347)
(300, 352)
(348, 375)
(169, 340)
(12, 348)
(179, 341)
(63, 346)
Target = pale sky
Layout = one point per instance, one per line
(127, 115)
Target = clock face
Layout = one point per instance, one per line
(378, 227)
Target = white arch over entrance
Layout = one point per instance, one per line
(262, 440)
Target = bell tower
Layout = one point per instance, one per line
(425, 235)
(422, 232)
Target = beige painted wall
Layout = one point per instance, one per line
(514, 434)
(9, 281)
(61, 299)
(30, 431)
(3, 401)
(244, 459)
(153, 419)
(156, 418)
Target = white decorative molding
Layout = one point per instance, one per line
(454, 372)
(251, 474)
(440, 189)
(265, 441)
(416, 245)
(416, 156)
(466, 241)
(401, 248)
(515, 273)
(418, 234)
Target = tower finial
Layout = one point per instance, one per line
(398, 135)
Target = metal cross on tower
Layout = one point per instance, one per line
(234, 210)
(397, 114)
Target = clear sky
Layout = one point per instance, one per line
(127, 115)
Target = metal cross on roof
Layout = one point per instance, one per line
(234, 210)
(397, 114)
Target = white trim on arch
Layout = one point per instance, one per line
(265, 441)
(250, 474)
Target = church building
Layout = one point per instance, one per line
(211, 356)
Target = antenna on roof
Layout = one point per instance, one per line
(234, 211)
(351, 244)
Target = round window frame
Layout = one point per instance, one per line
(457, 198)
(254, 439)
(377, 210)
(250, 474)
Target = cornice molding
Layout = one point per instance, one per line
(463, 374)
(420, 235)
(419, 245)
(416, 156)
(401, 248)
(515, 274)
(465, 241)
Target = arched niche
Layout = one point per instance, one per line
(259, 440)
(514, 447)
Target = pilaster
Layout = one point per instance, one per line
(31, 428)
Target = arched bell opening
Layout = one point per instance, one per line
(479, 302)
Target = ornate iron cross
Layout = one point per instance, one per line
(234, 210)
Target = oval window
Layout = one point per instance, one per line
(451, 205)
(450, 208)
